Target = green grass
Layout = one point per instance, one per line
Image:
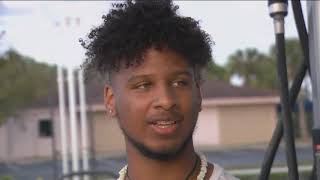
(276, 176)
(6, 178)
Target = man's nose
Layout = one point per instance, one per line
(165, 98)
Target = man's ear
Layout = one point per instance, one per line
(109, 100)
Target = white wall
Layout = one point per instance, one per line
(19, 137)
(207, 129)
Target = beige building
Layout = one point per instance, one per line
(230, 116)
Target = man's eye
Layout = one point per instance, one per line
(180, 83)
(143, 86)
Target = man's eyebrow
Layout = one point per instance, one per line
(137, 77)
(187, 73)
(148, 76)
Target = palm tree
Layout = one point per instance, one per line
(215, 71)
(255, 68)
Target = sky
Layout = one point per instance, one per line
(38, 28)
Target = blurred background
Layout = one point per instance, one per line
(240, 106)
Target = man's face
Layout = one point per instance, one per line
(156, 103)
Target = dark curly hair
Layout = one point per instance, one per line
(131, 28)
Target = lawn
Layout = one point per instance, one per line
(277, 176)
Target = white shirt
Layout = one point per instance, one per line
(220, 174)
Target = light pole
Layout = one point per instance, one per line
(70, 23)
(313, 8)
(63, 123)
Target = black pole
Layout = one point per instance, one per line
(286, 109)
(295, 88)
(278, 10)
(278, 132)
(271, 152)
(302, 30)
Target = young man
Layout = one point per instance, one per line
(153, 59)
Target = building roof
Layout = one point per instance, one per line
(219, 89)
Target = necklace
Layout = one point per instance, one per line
(201, 175)
(188, 176)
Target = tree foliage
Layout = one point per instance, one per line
(22, 81)
(215, 71)
(259, 70)
(256, 69)
(294, 56)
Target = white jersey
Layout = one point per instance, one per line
(220, 174)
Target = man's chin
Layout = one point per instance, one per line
(163, 152)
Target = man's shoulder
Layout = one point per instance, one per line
(220, 174)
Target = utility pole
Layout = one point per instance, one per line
(84, 125)
(74, 124)
(63, 123)
(52, 119)
(313, 8)
(76, 131)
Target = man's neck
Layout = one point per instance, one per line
(144, 168)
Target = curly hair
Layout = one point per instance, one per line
(131, 28)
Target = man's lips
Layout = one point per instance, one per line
(165, 125)
(165, 119)
(167, 129)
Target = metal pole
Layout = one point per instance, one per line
(53, 139)
(314, 44)
(294, 90)
(63, 123)
(278, 10)
(84, 125)
(313, 8)
(73, 121)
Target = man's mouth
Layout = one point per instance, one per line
(164, 127)
(164, 124)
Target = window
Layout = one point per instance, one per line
(45, 128)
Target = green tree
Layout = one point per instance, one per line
(255, 68)
(259, 69)
(218, 72)
(22, 82)
(294, 56)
